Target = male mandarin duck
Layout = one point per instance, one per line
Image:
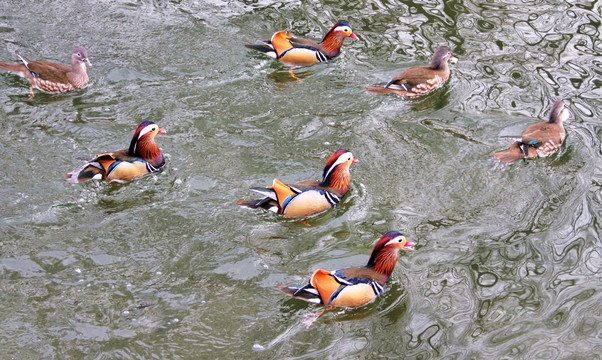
(355, 286)
(538, 140)
(295, 51)
(418, 81)
(142, 157)
(309, 197)
(53, 78)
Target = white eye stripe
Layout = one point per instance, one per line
(147, 129)
(342, 28)
(343, 158)
(396, 240)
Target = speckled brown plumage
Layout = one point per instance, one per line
(538, 140)
(419, 81)
(53, 78)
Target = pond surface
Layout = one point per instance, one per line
(509, 259)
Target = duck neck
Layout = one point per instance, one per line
(148, 150)
(338, 179)
(438, 64)
(77, 65)
(332, 44)
(81, 75)
(383, 262)
(556, 119)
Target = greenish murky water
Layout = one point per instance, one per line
(509, 260)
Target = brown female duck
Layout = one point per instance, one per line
(53, 78)
(419, 81)
(538, 140)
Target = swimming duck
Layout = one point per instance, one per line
(355, 286)
(538, 140)
(53, 78)
(309, 197)
(419, 81)
(296, 51)
(142, 157)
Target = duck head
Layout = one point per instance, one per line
(441, 57)
(336, 172)
(386, 252)
(80, 55)
(341, 29)
(143, 142)
(559, 112)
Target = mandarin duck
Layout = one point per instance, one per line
(418, 81)
(354, 286)
(538, 140)
(309, 197)
(296, 51)
(53, 78)
(142, 157)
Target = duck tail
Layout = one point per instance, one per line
(19, 69)
(513, 154)
(381, 89)
(265, 48)
(306, 293)
(508, 156)
(87, 172)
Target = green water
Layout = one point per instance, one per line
(508, 260)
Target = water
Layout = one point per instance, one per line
(508, 260)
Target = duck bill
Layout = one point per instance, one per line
(453, 60)
(162, 131)
(409, 246)
(355, 161)
(87, 62)
(353, 36)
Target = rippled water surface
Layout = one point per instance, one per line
(509, 259)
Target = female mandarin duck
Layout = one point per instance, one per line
(295, 51)
(419, 81)
(538, 140)
(309, 197)
(53, 78)
(143, 157)
(355, 286)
